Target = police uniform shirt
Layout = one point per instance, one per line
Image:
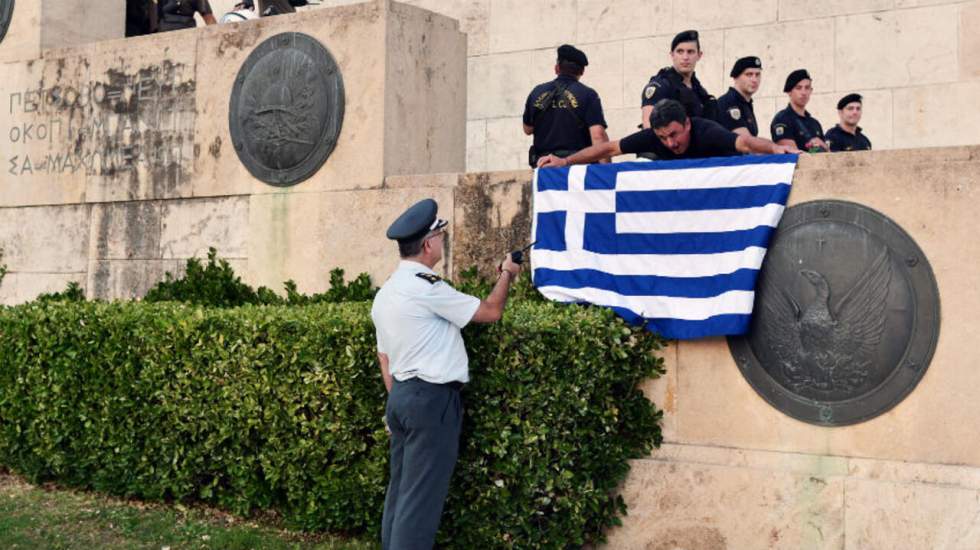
(565, 125)
(801, 129)
(708, 139)
(735, 112)
(418, 317)
(669, 84)
(840, 139)
(179, 14)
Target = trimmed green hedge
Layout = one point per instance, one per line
(273, 407)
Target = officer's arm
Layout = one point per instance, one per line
(385, 374)
(492, 309)
(645, 115)
(585, 156)
(599, 135)
(528, 130)
(750, 144)
(742, 131)
(209, 19)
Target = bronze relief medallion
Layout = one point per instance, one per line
(287, 108)
(846, 315)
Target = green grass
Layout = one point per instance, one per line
(47, 517)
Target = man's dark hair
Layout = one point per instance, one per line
(407, 249)
(570, 68)
(666, 111)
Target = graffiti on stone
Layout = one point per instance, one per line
(117, 124)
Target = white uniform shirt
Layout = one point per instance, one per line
(418, 324)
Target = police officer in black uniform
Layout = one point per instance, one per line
(179, 14)
(794, 124)
(674, 135)
(735, 110)
(564, 115)
(847, 135)
(678, 82)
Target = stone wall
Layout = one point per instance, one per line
(736, 473)
(118, 164)
(915, 61)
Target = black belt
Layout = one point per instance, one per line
(454, 385)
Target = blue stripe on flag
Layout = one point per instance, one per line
(675, 200)
(553, 179)
(550, 231)
(680, 329)
(648, 285)
(600, 236)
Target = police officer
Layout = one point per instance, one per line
(735, 110)
(847, 135)
(674, 135)
(794, 124)
(179, 14)
(418, 317)
(564, 115)
(678, 82)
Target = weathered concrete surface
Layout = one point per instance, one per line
(134, 134)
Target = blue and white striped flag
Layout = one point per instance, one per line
(677, 243)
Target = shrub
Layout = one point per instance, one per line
(276, 407)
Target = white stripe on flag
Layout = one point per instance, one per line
(576, 177)
(575, 201)
(699, 221)
(688, 309)
(662, 265)
(706, 178)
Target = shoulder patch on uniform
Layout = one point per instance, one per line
(432, 279)
(649, 91)
(780, 129)
(735, 113)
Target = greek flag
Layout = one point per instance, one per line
(677, 244)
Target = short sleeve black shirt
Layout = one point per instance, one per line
(735, 112)
(840, 140)
(179, 14)
(708, 139)
(801, 129)
(564, 126)
(669, 84)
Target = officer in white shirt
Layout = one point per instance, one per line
(418, 317)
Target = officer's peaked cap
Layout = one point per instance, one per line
(794, 78)
(849, 98)
(567, 52)
(416, 222)
(750, 62)
(685, 36)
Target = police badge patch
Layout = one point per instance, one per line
(649, 91)
(735, 113)
(780, 129)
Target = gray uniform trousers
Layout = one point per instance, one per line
(425, 421)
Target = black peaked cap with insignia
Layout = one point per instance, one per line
(849, 98)
(685, 36)
(750, 62)
(567, 52)
(416, 222)
(794, 78)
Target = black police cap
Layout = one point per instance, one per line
(849, 98)
(567, 52)
(750, 62)
(415, 222)
(794, 78)
(685, 36)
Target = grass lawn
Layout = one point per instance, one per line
(34, 517)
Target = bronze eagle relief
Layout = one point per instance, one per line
(846, 315)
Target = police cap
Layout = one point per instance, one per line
(794, 78)
(567, 52)
(750, 62)
(416, 222)
(685, 36)
(849, 98)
